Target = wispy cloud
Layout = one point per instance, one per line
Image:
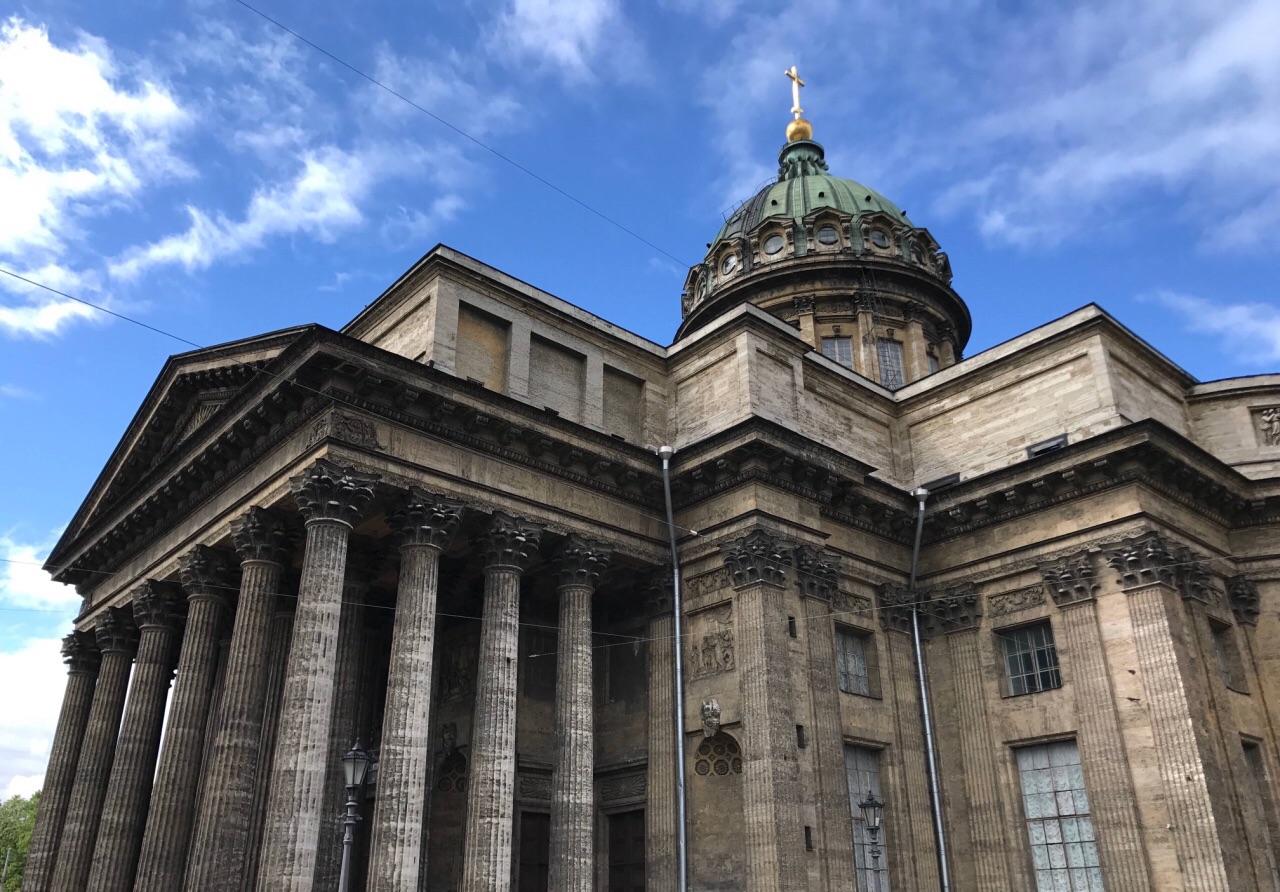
(30, 706)
(578, 40)
(24, 583)
(1248, 331)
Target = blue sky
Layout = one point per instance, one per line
(193, 166)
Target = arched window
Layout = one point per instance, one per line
(718, 756)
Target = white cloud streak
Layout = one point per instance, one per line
(1248, 331)
(578, 40)
(30, 704)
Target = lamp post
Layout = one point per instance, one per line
(355, 764)
(872, 809)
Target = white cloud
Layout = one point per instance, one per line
(1249, 331)
(30, 706)
(577, 39)
(14, 392)
(23, 583)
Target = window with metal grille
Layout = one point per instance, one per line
(892, 363)
(839, 349)
(1031, 659)
(862, 768)
(851, 660)
(1064, 849)
(933, 363)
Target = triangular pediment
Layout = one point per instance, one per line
(187, 394)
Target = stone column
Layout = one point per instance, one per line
(1073, 585)
(80, 653)
(157, 611)
(332, 498)
(914, 343)
(117, 639)
(660, 816)
(770, 769)
(424, 523)
(819, 584)
(1148, 575)
(278, 662)
(217, 861)
(207, 579)
(958, 613)
(578, 568)
(363, 561)
(510, 545)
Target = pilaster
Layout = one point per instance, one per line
(207, 579)
(332, 498)
(277, 665)
(424, 523)
(117, 639)
(80, 653)
(660, 806)
(578, 567)
(509, 547)
(157, 611)
(770, 770)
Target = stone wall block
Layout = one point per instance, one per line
(660, 806)
(80, 653)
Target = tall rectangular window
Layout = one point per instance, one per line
(1031, 659)
(626, 851)
(1260, 792)
(839, 349)
(851, 661)
(862, 768)
(892, 363)
(1064, 849)
(535, 851)
(933, 363)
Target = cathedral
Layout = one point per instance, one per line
(483, 592)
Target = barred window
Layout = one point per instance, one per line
(862, 769)
(891, 363)
(1064, 849)
(839, 349)
(1031, 659)
(933, 363)
(851, 659)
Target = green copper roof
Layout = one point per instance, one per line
(803, 187)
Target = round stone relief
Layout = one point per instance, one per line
(718, 755)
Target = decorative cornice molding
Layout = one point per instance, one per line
(330, 492)
(1071, 580)
(426, 519)
(580, 562)
(759, 557)
(510, 543)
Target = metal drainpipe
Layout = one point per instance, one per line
(920, 495)
(682, 850)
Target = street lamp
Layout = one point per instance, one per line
(872, 809)
(355, 765)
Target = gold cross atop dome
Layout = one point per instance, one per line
(799, 128)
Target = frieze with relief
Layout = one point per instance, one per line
(1266, 422)
(631, 786)
(711, 645)
(347, 428)
(1017, 600)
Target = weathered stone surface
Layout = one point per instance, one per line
(661, 850)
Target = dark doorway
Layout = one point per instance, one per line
(535, 851)
(626, 851)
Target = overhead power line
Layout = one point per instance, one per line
(458, 130)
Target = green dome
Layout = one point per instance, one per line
(804, 186)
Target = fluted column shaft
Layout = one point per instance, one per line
(222, 827)
(425, 524)
(281, 640)
(81, 655)
(169, 824)
(490, 790)
(156, 610)
(572, 783)
(332, 497)
(660, 807)
(116, 641)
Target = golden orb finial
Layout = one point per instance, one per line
(799, 128)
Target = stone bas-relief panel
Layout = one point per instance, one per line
(711, 646)
(1266, 423)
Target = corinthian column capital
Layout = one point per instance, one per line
(80, 653)
(581, 561)
(660, 595)
(816, 572)
(756, 557)
(116, 633)
(156, 605)
(510, 543)
(207, 573)
(331, 492)
(262, 535)
(425, 518)
(1143, 560)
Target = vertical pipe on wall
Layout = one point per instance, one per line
(682, 852)
(935, 799)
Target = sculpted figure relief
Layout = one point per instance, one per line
(710, 717)
(1269, 425)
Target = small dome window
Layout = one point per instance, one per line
(774, 243)
(879, 238)
(828, 235)
(729, 264)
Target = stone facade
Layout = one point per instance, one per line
(437, 531)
